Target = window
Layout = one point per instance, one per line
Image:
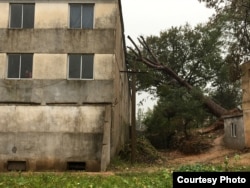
(22, 15)
(20, 65)
(233, 130)
(81, 16)
(81, 66)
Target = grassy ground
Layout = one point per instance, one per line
(120, 175)
(149, 172)
(159, 179)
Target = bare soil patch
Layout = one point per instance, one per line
(216, 154)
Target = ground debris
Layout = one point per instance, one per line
(145, 152)
(195, 146)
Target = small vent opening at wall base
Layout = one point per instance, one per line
(16, 165)
(76, 166)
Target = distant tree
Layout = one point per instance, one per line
(139, 119)
(233, 19)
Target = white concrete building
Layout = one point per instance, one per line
(64, 102)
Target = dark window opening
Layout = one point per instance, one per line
(81, 16)
(76, 166)
(16, 165)
(233, 130)
(22, 15)
(20, 65)
(81, 66)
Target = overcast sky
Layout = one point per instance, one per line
(150, 17)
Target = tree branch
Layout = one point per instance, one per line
(216, 109)
(136, 47)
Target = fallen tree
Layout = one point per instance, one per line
(152, 62)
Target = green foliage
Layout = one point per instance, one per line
(225, 88)
(229, 165)
(144, 152)
(161, 179)
(200, 168)
(197, 56)
(232, 17)
(192, 53)
(176, 112)
(212, 168)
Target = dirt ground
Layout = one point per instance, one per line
(217, 154)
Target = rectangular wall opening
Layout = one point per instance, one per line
(233, 130)
(76, 166)
(16, 165)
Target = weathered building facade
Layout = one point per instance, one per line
(237, 124)
(64, 102)
(246, 101)
(234, 132)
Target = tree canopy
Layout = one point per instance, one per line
(184, 56)
(205, 60)
(233, 18)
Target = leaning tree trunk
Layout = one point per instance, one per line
(212, 106)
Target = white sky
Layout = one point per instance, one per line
(150, 17)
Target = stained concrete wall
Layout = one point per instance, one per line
(237, 141)
(47, 109)
(58, 134)
(56, 91)
(57, 41)
(123, 102)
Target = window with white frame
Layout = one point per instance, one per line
(22, 15)
(81, 16)
(20, 66)
(80, 66)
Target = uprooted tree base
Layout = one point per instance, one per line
(196, 143)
